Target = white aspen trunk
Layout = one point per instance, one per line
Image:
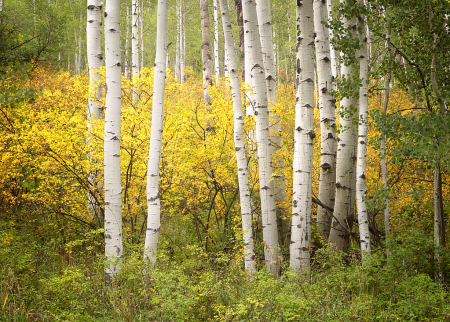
(384, 170)
(135, 47)
(244, 190)
(249, 40)
(178, 43)
(260, 104)
(127, 44)
(330, 35)
(265, 31)
(327, 110)
(361, 189)
(113, 189)
(216, 41)
(183, 44)
(95, 61)
(345, 165)
(291, 60)
(141, 29)
(303, 140)
(154, 156)
(206, 52)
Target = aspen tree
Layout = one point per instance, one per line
(303, 139)
(345, 157)
(113, 188)
(206, 52)
(327, 121)
(244, 190)
(95, 61)
(127, 45)
(361, 189)
(216, 41)
(266, 38)
(260, 106)
(135, 46)
(333, 59)
(154, 156)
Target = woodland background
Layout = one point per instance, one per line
(52, 252)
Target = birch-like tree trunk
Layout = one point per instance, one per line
(327, 110)
(384, 170)
(266, 37)
(127, 44)
(240, 22)
(361, 189)
(95, 61)
(206, 52)
(260, 105)
(216, 41)
(345, 157)
(182, 43)
(135, 47)
(244, 190)
(178, 43)
(303, 139)
(113, 188)
(141, 29)
(154, 156)
(330, 37)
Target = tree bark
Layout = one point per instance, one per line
(154, 156)
(361, 188)
(345, 158)
(216, 41)
(260, 105)
(206, 52)
(327, 110)
(95, 61)
(244, 190)
(135, 47)
(113, 188)
(303, 139)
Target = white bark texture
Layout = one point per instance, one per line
(95, 61)
(154, 156)
(141, 29)
(266, 37)
(135, 46)
(113, 188)
(182, 44)
(216, 41)
(345, 161)
(178, 43)
(327, 110)
(244, 190)
(303, 139)
(361, 188)
(127, 44)
(260, 105)
(330, 37)
(206, 52)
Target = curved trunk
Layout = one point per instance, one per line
(303, 140)
(154, 156)
(113, 188)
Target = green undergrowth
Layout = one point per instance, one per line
(39, 282)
